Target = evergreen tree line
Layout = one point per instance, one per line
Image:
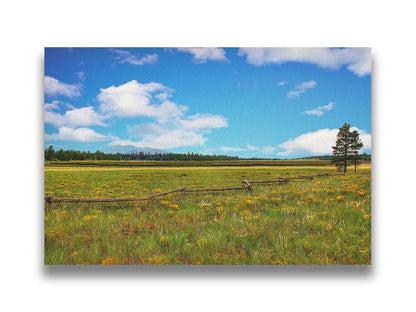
(51, 154)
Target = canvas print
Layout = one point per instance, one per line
(207, 156)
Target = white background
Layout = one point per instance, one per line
(28, 26)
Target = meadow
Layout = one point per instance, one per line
(186, 163)
(323, 221)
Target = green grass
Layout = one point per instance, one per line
(323, 221)
(185, 163)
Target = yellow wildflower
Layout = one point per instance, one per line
(340, 198)
(278, 261)
(157, 260)
(249, 202)
(223, 215)
(89, 217)
(164, 240)
(245, 213)
(202, 242)
(217, 256)
(174, 206)
(109, 261)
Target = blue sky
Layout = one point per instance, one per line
(254, 102)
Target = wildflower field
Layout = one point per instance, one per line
(323, 221)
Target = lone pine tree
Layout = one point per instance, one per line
(346, 148)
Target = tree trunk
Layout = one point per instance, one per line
(345, 163)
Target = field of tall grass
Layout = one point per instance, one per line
(323, 221)
(186, 163)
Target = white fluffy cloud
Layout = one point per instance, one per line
(171, 128)
(262, 149)
(202, 55)
(77, 135)
(55, 87)
(54, 118)
(52, 106)
(57, 105)
(174, 138)
(126, 57)
(85, 116)
(203, 121)
(319, 142)
(78, 117)
(176, 132)
(166, 138)
(357, 60)
(320, 110)
(134, 99)
(301, 88)
(232, 149)
(267, 150)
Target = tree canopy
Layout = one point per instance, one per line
(346, 148)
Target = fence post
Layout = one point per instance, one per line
(48, 201)
(247, 186)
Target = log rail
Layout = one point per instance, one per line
(247, 185)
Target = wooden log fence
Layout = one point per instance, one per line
(247, 185)
(51, 200)
(270, 181)
(216, 189)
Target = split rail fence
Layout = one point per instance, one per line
(247, 185)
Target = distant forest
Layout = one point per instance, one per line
(61, 155)
(51, 154)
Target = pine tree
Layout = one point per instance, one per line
(356, 145)
(50, 153)
(346, 148)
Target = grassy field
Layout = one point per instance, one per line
(185, 163)
(323, 221)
